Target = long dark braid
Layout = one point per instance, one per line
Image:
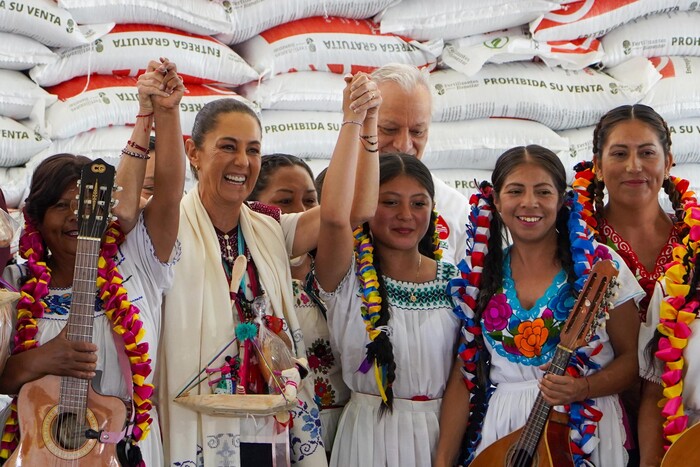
(564, 243)
(491, 283)
(675, 197)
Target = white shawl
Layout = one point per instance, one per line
(192, 337)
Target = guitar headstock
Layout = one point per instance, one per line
(95, 187)
(591, 305)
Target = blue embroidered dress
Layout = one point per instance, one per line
(520, 340)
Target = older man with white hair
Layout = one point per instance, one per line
(404, 121)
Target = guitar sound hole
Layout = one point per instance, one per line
(521, 458)
(68, 432)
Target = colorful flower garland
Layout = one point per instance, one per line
(678, 310)
(123, 315)
(465, 290)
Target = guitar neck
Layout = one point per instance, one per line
(532, 432)
(73, 394)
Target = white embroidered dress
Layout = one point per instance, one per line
(423, 337)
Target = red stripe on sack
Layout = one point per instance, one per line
(320, 24)
(575, 47)
(569, 13)
(139, 27)
(75, 86)
(325, 25)
(664, 65)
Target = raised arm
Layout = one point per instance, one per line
(162, 213)
(335, 240)
(160, 90)
(364, 202)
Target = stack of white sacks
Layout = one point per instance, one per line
(503, 72)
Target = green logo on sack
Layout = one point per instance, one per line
(497, 43)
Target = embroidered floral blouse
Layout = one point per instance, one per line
(527, 336)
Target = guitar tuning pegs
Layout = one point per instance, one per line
(115, 203)
(116, 189)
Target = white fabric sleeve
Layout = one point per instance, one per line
(628, 286)
(650, 368)
(139, 249)
(289, 222)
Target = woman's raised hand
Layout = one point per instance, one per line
(159, 85)
(361, 98)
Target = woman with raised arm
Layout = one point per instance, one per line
(134, 269)
(514, 299)
(384, 287)
(205, 305)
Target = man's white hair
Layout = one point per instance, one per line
(407, 76)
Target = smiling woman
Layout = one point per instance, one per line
(205, 304)
(632, 161)
(514, 299)
(396, 335)
(122, 311)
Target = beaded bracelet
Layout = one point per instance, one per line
(351, 121)
(136, 154)
(144, 115)
(136, 146)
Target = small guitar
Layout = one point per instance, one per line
(62, 420)
(526, 447)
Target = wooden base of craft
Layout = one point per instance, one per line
(228, 405)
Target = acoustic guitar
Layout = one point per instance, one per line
(527, 447)
(62, 420)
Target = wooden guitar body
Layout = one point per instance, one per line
(553, 449)
(685, 450)
(41, 441)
